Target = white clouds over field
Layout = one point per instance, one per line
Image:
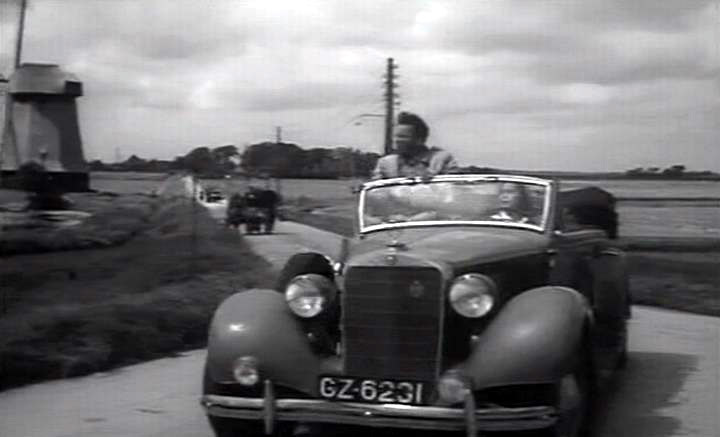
(565, 85)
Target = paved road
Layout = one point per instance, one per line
(670, 388)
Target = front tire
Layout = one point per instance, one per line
(574, 404)
(224, 427)
(611, 307)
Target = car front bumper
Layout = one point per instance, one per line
(469, 418)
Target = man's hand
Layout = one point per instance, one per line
(370, 220)
(423, 216)
(419, 217)
(397, 218)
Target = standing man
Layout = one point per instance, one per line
(413, 157)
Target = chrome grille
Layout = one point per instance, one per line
(389, 331)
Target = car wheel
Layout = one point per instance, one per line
(574, 404)
(224, 427)
(611, 307)
(623, 354)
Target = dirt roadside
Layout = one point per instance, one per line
(288, 239)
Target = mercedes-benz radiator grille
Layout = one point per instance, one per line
(392, 322)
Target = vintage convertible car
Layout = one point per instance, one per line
(465, 303)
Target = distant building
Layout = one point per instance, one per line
(43, 127)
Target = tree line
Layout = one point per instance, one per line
(288, 160)
(280, 160)
(677, 171)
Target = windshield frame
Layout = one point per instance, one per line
(541, 228)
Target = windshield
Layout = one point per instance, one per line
(515, 202)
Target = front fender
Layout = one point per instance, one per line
(535, 338)
(259, 323)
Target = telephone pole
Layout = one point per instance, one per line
(389, 104)
(278, 134)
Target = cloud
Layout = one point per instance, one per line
(629, 56)
(548, 83)
(599, 42)
(651, 15)
(9, 16)
(307, 96)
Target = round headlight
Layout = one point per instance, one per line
(245, 370)
(308, 295)
(452, 388)
(473, 295)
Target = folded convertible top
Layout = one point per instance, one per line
(588, 196)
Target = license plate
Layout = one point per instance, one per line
(382, 391)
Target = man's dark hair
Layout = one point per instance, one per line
(420, 128)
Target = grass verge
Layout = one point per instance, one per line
(114, 220)
(681, 281)
(75, 312)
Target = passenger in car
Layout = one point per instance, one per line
(413, 157)
(514, 205)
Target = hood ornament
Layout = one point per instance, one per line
(417, 289)
(395, 242)
(394, 246)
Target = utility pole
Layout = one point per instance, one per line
(278, 134)
(194, 231)
(389, 105)
(5, 89)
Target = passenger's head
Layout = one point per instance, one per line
(513, 196)
(410, 134)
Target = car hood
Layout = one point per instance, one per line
(453, 248)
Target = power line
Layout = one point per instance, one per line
(363, 101)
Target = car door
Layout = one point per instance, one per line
(573, 246)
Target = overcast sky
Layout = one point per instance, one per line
(560, 85)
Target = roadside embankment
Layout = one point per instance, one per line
(106, 219)
(685, 281)
(74, 312)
